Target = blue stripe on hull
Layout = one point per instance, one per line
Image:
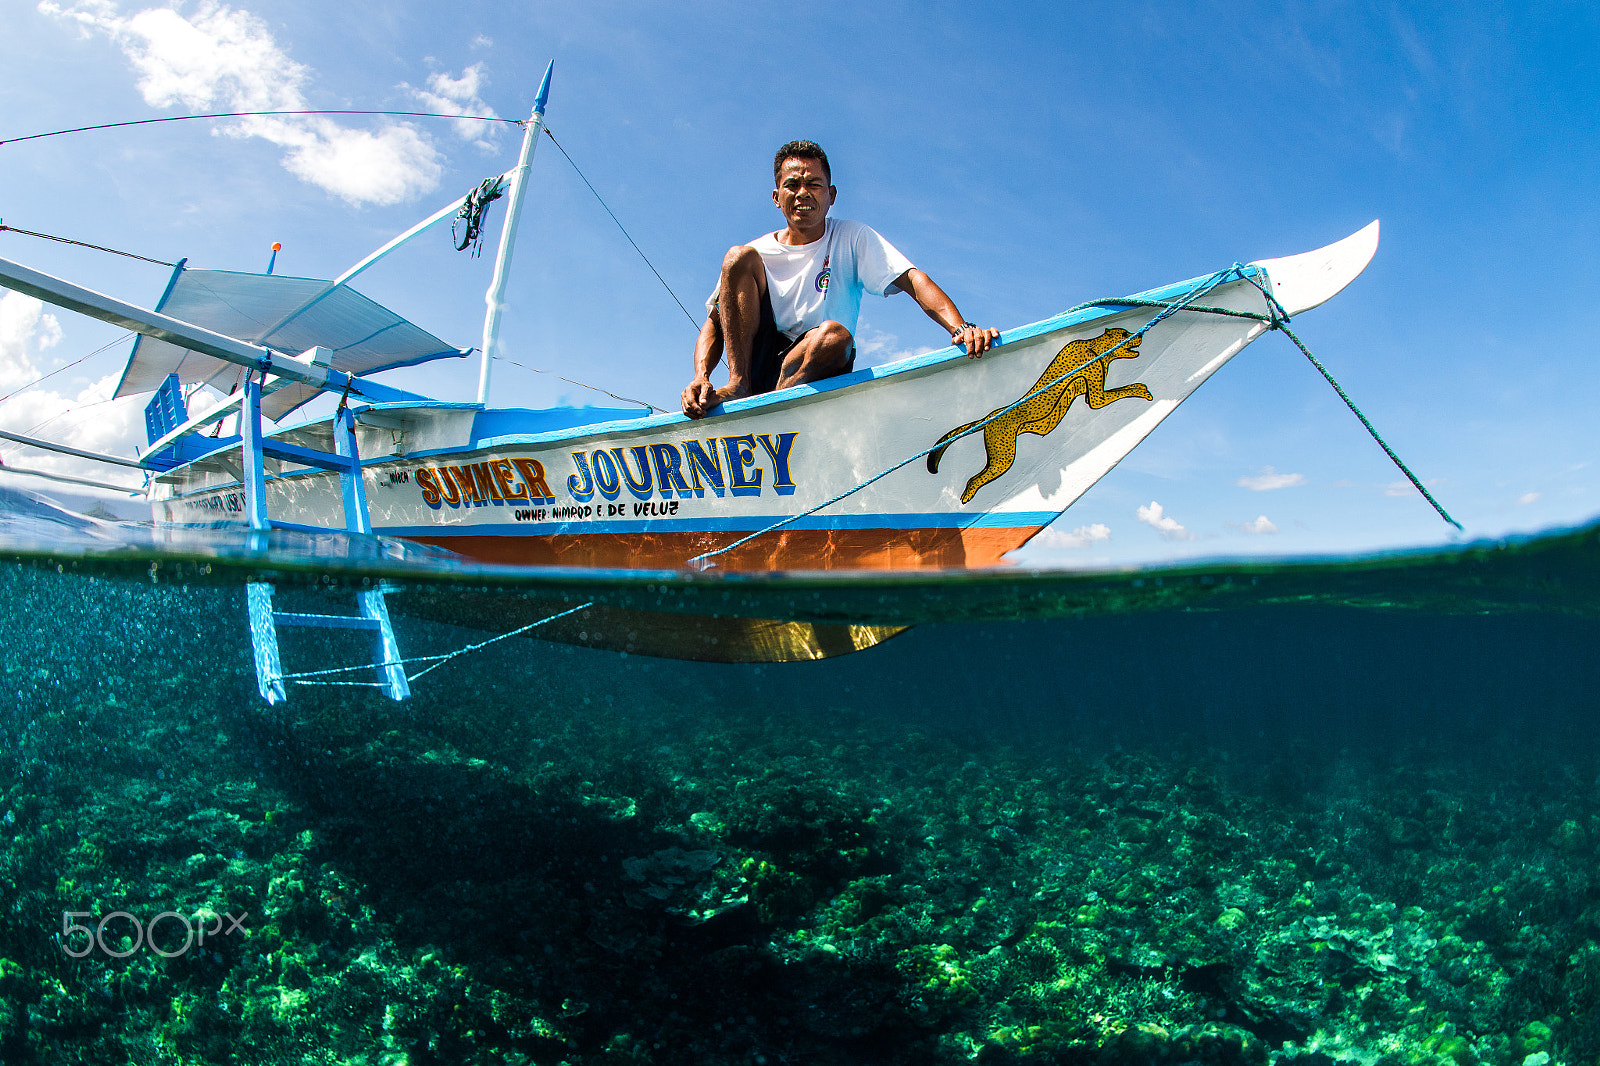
(1003, 520)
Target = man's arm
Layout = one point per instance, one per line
(698, 396)
(942, 310)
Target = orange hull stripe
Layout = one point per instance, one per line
(797, 549)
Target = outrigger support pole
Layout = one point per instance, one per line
(495, 297)
(450, 210)
(258, 594)
(50, 446)
(255, 474)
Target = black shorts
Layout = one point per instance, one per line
(770, 348)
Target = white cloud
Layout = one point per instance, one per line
(85, 420)
(460, 96)
(1270, 479)
(875, 348)
(1261, 524)
(26, 331)
(225, 59)
(1081, 537)
(390, 166)
(1527, 498)
(1155, 517)
(220, 58)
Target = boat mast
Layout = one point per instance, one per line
(495, 297)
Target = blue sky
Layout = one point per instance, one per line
(1028, 156)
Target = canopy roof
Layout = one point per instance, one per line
(288, 315)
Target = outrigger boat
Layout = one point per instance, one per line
(814, 477)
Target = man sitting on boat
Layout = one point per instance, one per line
(785, 310)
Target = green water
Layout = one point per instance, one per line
(1305, 811)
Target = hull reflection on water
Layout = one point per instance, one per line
(700, 638)
(721, 616)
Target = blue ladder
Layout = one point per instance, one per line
(374, 616)
(264, 620)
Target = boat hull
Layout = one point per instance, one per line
(660, 491)
(804, 549)
(935, 461)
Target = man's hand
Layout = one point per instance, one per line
(939, 307)
(974, 339)
(699, 398)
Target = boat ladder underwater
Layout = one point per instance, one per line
(166, 414)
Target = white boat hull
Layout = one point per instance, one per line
(660, 491)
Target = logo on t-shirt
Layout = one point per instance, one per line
(822, 278)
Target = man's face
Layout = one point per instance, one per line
(803, 193)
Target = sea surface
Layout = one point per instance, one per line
(1235, 812)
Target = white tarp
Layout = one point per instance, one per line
(288, 315)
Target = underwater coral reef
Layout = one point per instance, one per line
(559, 855)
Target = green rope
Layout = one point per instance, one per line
(1404, 469)
(1280, 321)
(1276, 318)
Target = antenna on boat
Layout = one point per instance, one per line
(272, 262)
(495, 297)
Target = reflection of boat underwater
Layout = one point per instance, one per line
(819, 476)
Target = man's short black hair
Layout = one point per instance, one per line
(800, 150)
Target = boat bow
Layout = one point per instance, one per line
(1310, 279)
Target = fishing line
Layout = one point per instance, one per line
(258, 114)
(624, 229)
(581, 385)
(83, 244)
(436, 660)
(71, 411)
(109, 344)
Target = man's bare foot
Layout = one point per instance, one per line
(726, 393)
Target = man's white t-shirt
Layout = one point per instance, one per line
(810, 284)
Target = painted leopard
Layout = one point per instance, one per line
(1085, 368)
